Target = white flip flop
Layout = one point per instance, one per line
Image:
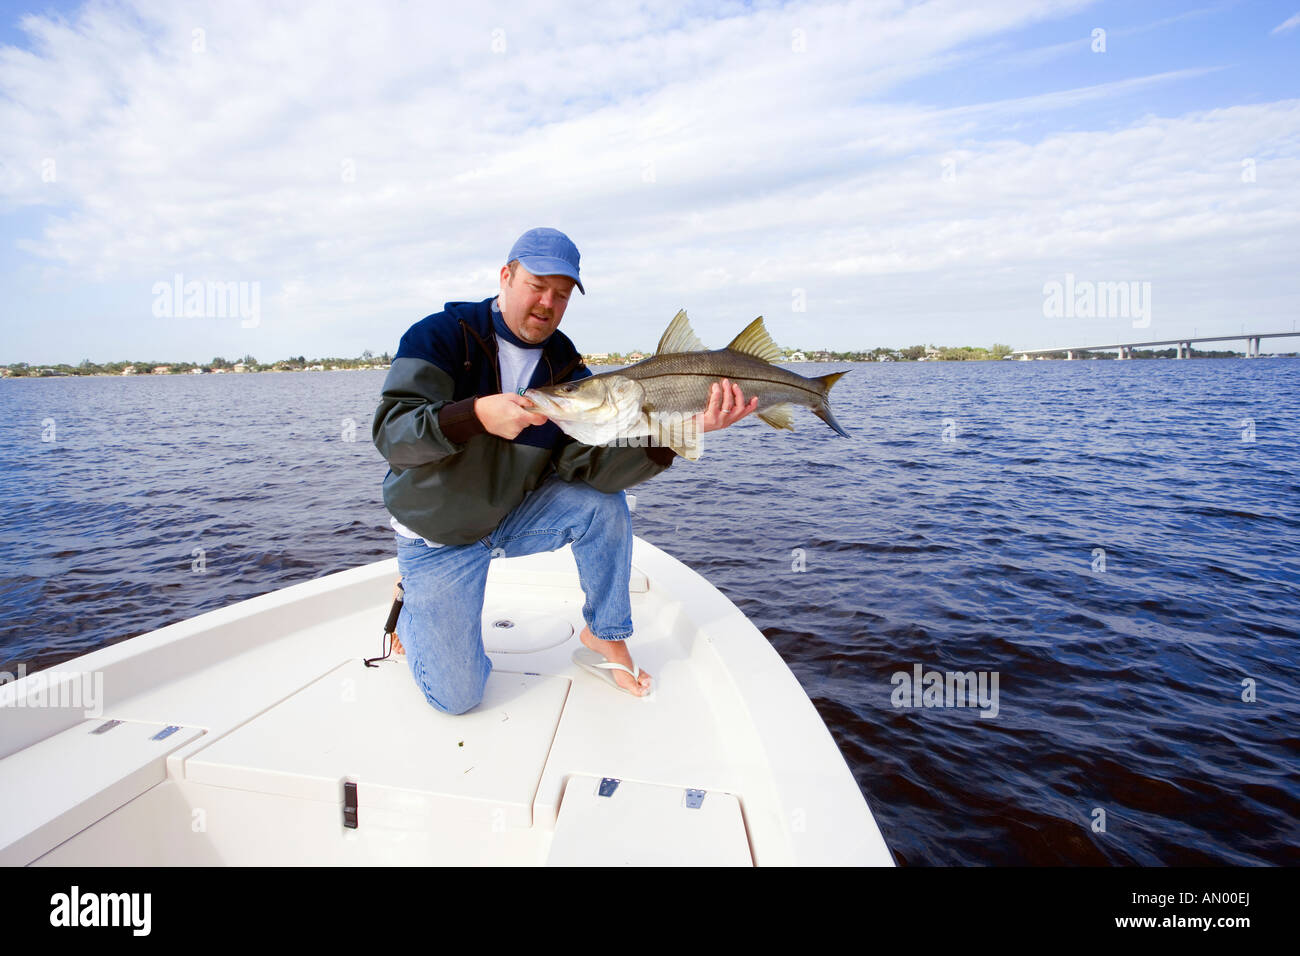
(596, 665)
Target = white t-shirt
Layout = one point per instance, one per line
(516, 366)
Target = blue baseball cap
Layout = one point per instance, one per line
(547, 252)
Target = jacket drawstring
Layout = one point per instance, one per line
(466, 331)
(488, 350)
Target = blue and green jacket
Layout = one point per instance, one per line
(449, 480)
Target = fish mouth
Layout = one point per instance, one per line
(564, 408)
(544, 403)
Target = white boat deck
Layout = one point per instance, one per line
(728, 763)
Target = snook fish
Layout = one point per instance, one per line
(656, 400)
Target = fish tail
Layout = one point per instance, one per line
(823, 408)
(828, 380)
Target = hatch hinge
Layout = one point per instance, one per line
(694, 798)
(607, 786)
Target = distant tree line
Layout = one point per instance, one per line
(249, 362)
(912, 353)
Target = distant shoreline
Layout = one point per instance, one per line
(184, 374)
(7, 372)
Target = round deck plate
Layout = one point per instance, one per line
(517, 630)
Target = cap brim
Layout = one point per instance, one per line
(550, 266)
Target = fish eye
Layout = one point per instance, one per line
(569, 388)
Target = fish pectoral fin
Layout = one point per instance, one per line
(755, 341)
(680, 433)
(689, 451)
(679, 337)
(779, 416)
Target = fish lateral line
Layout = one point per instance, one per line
(715, 376)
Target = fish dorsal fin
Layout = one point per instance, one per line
(679, 337)
(779, 416)
(756, 342)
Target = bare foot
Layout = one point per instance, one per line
(617, 652)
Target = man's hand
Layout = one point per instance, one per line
(726, 407)
(506, 415)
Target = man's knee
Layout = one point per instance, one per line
(454, 705)
(605, 506)
(455, 698)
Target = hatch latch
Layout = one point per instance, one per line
(350, 805)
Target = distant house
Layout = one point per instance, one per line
(798, 357)
(241, 367)
(635, 357)
(162, 369)
(317, 368)
(129, 370)
(932, 353)
(595, 356)
(219, 371)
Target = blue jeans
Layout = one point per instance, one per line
(441, 623)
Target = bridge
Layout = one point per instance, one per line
(1184, 345)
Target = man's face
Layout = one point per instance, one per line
(532, 306)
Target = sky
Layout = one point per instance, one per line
(861, 174)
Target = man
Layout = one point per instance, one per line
(476, 474)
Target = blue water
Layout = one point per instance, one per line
(1100, 535)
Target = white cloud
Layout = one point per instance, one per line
(697, 158)
(1288, 24)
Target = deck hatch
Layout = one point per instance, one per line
(372, 726)
(647, 825)
(58, 786)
